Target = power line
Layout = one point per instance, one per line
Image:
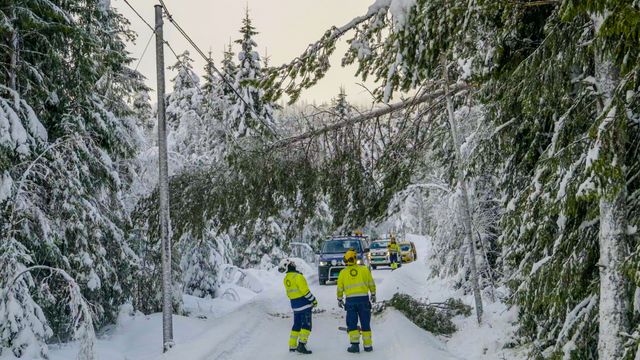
(145, 50)
(190, 73)
(140, 16)
(207, 59)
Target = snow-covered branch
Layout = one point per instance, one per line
(79, 307)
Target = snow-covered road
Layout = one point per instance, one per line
(256, 325)
(260, 330)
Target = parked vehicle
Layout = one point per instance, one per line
(408, 251)
(332, 253)
(379, 253)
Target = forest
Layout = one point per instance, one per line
(508, 132)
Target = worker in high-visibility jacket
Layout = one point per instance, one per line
(394, 252)
(355, 283)
(302, 302)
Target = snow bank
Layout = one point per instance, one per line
(470, 341)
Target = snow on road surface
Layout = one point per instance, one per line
(256, 326)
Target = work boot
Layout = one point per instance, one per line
(302, 348)
(368, 349)
(354, 348)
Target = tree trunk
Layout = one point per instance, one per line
(466, 210)
(614, 302)
(13, 65)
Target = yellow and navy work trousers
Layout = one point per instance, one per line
(359, 308)
(301, 328)
(393, 258)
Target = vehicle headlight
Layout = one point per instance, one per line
(324, 263)
(359, 261)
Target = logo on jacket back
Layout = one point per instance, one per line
(353, 272)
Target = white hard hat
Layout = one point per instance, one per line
(285, 264)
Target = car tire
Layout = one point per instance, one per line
(323, 282)
(373, 267)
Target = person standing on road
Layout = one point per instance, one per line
(355, 282)
(302, 302)
(394, 252)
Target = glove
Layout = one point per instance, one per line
(373, 298)
(315, 303)
(341, 303)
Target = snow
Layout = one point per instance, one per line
(400, 9)
(536, 266)
(378, 5)
(586, 187)
(465, 68)
(6, 183)
(245, 324)
(94, 281)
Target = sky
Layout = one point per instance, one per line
(286, 27)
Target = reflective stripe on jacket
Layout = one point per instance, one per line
(354, 281)
(298, 291)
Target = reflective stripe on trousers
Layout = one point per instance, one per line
(367, 341)
(354, 336)
(304, 336)
(293, 339)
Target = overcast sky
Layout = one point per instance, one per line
(286, 27)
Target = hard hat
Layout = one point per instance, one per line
(350, 257)
(285, 264)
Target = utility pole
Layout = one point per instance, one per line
(163, 186)
(466, 207)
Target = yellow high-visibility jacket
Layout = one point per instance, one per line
(355, 281)
(393, 248)
(298, 291)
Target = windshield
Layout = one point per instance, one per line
(405, 247)
(341, 246)
(379, 244)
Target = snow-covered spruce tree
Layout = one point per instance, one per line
(215, 102)
(229, 71)
(143, 112)
(249, 114)
(66, 204)
(200, 263)
(552, 194)
(23, 326)
(184, 120)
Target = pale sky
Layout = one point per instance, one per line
(286, 28)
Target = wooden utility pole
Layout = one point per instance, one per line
(163, 186)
